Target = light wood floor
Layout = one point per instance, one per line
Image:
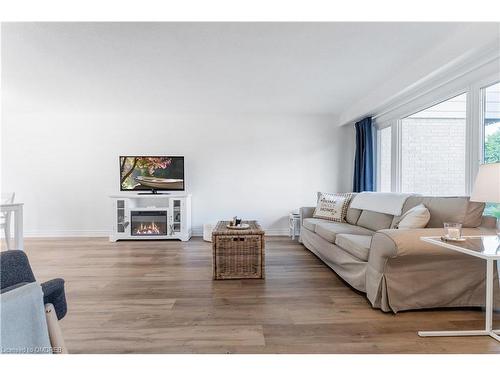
(158, 297)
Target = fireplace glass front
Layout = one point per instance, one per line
(149, 223)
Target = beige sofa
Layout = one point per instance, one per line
(395, 269)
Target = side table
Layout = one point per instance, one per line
(17, 209)
(294, 224)
(238, 253)
(484, 247)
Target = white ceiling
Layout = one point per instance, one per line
(285, 68)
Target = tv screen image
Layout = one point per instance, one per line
(151, 173)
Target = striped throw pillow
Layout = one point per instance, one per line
(333, 206)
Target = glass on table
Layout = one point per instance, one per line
(453, 230)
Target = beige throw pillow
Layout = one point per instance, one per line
(333, 206)
(417, 217)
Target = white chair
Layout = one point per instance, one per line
(7, 198)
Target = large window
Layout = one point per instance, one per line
(491, 123)
(384, 159)
(433, 144)
(491, 131)
(438, 150)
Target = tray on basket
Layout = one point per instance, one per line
(240, 226)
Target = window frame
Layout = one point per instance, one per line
(474, 122)
(482, 106)
(477, 125)
(378, 168)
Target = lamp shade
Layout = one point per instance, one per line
(487, 185)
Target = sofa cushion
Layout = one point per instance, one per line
(332, 206)
(445, 209)
(355, 244)
(474, 215)
(374, 220)
(329, 230)
(417, 217)
(352, 215)
(411, 202)
(453, 209)
(310, 223)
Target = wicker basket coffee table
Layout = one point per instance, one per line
(238, 253)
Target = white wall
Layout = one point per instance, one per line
(64, 166)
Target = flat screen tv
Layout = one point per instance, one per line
(153, 173)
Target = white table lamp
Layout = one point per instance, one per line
(487, 186)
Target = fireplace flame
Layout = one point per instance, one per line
(148, 228)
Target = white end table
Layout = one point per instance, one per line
(294, 224)
(484, 247)
(17, 209)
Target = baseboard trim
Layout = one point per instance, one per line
(197, 232)
(277, 232)
(67, 233)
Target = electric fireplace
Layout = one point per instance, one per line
(148, 223)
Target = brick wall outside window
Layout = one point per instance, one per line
(433, 155)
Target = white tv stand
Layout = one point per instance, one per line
(151, 216)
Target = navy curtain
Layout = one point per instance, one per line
(363, 162)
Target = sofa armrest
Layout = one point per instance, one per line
(53, 293)
(392, 243)
(306, 212)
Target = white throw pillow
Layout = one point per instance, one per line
(332, 206)
(417, 217)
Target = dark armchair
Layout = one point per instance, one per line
(15, 270)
